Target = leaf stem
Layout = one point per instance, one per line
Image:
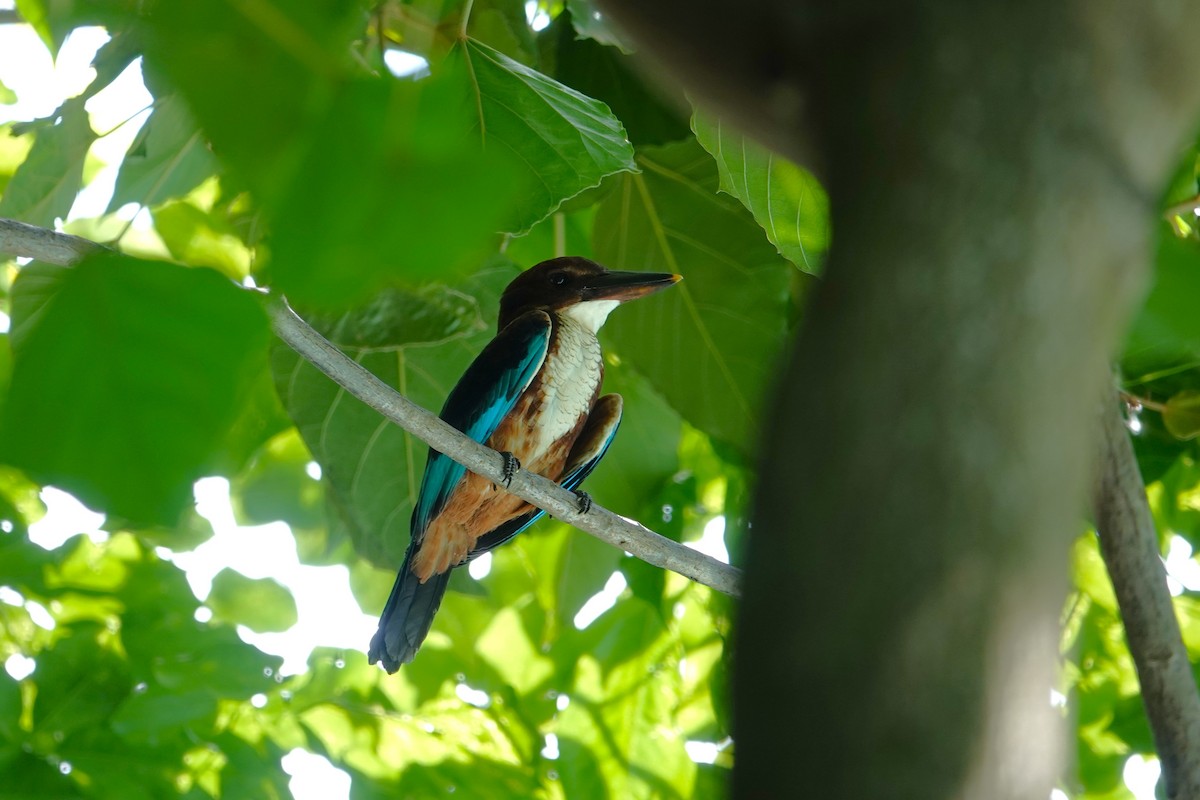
(1134, 400)
(466, 18)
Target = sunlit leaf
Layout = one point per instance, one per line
(260, 604)
(38, 14)
(1089, 572)
(168, 158)
(512, 654)
(44, 186)
(200, 240)
(275, 485)
(13, 151)
(620, 686)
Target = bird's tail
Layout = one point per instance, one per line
(407, 616)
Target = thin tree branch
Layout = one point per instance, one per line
(32, 242)
(1130, 548)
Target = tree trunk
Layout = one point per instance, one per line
(993, 172)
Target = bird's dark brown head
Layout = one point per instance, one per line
(562, 283)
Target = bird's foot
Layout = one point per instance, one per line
(585, 501)
(511, 465)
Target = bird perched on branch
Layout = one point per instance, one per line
(533, 394)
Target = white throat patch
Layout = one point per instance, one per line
(591, 313)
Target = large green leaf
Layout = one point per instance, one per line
(201, 239)
(391, 189)
(255, 88)
(611, 77)
(275, 486)
(786, 200)
(45, 185)
(709, 344)
(364, 181)
(168, 158)
(565, 142)
(1166, 332)
(261, 605)
(503, 25)
(150, 362)
(417, 341)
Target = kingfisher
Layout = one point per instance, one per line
(534, 395)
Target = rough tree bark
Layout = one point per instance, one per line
(993, 170)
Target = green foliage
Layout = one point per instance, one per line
(729, 314)
(151, 363)
(604, 73)
(1161, 368)
(565, 141)
(392, 212)
(44, 186)
(418, 341)
(786, 200)
(127, 685)
(1167, 331)
(168, 158)
(261, 605)
(1181, 416)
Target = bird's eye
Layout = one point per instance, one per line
(558, 278)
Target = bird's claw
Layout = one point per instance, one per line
(585, 501)
(511, 465)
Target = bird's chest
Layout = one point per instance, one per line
(568, 382)
(558, 400)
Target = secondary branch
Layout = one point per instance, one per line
(32, 242)
(1130, 548)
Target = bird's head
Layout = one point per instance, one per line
(577, 287)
